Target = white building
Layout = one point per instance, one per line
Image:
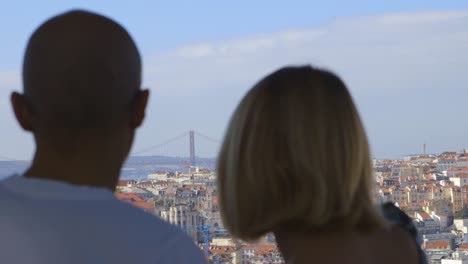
(454, 171)
(439, 236)
(183, 217)
(445, 164)
(223, 242)
(460, 179)
(461, 225)
(249, 254)
(462, 162)
(136, 190)
(456, 258)
(442, 219)
(426, 224)
(159, 176)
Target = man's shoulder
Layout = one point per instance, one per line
(181, 249)
(173, 244)
(138, 218)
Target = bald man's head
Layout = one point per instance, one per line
(81, 72)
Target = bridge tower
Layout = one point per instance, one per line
(192, 147)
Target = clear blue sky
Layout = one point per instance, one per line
(189, 45)
(159, 25)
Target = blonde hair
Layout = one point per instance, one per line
(296, 156)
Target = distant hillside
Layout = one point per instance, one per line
(134, 167)
(166, 160)
(8, 168)
(152, 159)
(140, 166)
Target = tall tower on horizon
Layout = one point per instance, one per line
(424, 148)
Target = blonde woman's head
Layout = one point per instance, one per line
(296, 157)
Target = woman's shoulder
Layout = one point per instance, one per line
(386, 246)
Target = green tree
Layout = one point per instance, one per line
(463, 213)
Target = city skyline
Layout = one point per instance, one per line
(403, 62)
(431, 190)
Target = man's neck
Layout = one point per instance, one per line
(78, 170)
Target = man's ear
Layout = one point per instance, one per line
(139, 108)
(21, 110)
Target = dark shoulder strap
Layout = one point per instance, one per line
(397, 217)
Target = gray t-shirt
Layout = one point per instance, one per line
(48, 222)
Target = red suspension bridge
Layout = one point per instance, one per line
(189, 136)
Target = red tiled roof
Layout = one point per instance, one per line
(259, 246)
(222, 250)
(123, 183)
(446, 160)
(457, 169)
(463, 247)
(461, 175)
(135, 200)
(129, 197)
(437, 244)
(424, 215)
